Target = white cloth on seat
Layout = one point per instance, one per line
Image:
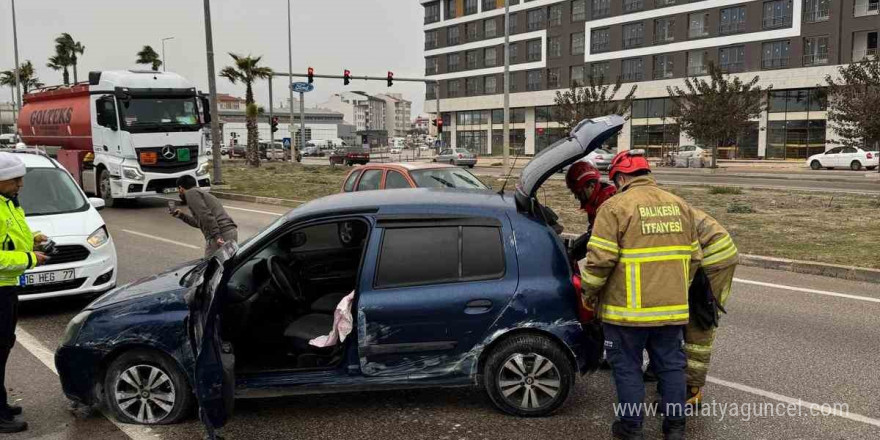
(342, 324)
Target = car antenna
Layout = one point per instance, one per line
(509, 172)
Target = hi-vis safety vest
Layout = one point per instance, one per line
(642, 257)
(16, 254)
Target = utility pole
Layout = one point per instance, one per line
(212, 89)
(164, 63)
(302, 123)
(290, 89)
(18, 103)
(506, 132)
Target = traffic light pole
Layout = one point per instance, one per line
(271, 117)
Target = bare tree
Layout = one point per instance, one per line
(854, 100)
(590, 101)
(716, 110)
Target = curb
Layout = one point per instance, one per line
(854, 179)
(851, 273)
(257, 199)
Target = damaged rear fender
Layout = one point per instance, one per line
(559, 334)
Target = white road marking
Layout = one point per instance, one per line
(253, 210)
(776, 187)
(163, 240)
(47, 357)
(826, 410)
(805, 290)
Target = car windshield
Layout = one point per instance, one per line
(48, 191)
(162, 114)
(446, 178)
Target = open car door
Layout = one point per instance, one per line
(589, 135)
(214, 364)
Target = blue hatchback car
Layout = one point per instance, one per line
(450, 288)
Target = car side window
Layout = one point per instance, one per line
(395, 180)
(849, 150)
(370, 180)
(349, 183)
(834, 150)
(445, 254)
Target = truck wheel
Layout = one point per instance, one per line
(105, 190)
(528, 376)
(147, 388)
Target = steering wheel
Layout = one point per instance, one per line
(281, 281)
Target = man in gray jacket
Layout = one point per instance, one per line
(207, 214)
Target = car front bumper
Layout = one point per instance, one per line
(95, 274)
(78, 369)
(466, 161)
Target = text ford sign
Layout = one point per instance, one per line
(302, 87)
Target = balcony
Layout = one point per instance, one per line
(697, 70)
(733, 28)
(633, 76)
(733, 67)
(663, 74)
(866, 54)
(633, 42)
(864, 8)
(816, 59)
(775, 22)
(698, 31)
(664, 38)
(774, 63)
(817, 16)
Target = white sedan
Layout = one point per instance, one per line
(85, 259)
(844, 157)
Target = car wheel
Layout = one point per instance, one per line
(451, 161)
(870, 168)
(855, 165)
(528, 376)
(470, 166)
(147, 388)
(105, 189)
(815, 165)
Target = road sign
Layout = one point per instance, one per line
(286, 142)
(302, 87)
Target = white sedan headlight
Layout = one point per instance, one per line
(98, 237)
(203, 169)
(132, 173)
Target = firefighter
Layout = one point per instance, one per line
(641, 257)
(582, 179)
(16, 256)
(719, 262)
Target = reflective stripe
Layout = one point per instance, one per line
(718, 246)
(700, 349)
(654, 250)
(601, 243)
(695, 246)
(697, 365)
(618, 317)
(592, 279)
(638, 285)
(649, 311)
(719, 257)
(648, 259)
(663, 253)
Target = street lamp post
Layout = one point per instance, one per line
(290, 89)
(17, 104)
(212, 89)
(506, 131)
(164, 63)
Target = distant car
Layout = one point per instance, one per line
(410, 175)
(457, 157)
(224, 150)
(313, 151)
(395, 150)
(843, 157)
(691, 151)
(84, 262)
(600, 158)
(350, 156)
(238, 150)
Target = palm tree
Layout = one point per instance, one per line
(61, 61)
(65, 43)
(149, 56)
(27, 76)
(246, 70)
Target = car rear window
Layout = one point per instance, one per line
(349, 183)
(437, 255)
(370, 180)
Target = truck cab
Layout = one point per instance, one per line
(124, 134)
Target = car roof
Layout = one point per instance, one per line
(415, 201)
(402, 166)
(34, 160)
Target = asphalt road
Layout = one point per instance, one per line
(778, 346)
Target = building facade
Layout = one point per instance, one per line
(366, 112)
(790, 44)
(321, 124)
(397, 114)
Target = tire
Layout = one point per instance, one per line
(451, 161)
(470, 166)
(855, 165)
(104, 188)
(139, 364)
(815, 165)
(500, 376)
(870, 168)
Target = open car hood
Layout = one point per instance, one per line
(586, 137)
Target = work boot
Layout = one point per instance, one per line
(10, 425)
(627, 430)
(673, 429)
(14, 410)
(694, 397)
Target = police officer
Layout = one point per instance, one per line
(641, 258)
(16, 256)
(583, 180)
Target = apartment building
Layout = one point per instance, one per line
(790, 44)
(398, 112)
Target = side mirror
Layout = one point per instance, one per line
(206, 110)
(97, 203)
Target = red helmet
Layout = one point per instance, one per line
(628, 162)
(580, 174)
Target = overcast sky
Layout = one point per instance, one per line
(365, 36)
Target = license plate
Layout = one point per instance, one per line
(58, 276)
(169, 190)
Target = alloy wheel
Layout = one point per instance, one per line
(529, 381)
(145, 393)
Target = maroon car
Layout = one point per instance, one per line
(350, 156)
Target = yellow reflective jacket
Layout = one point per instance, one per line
(642, 257)
(720, 255)
(16, 254)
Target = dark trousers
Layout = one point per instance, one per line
(624, 346)
(8, 320)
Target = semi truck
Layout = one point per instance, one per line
(124, 134)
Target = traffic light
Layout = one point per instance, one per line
(390, 79)
(274, 124)
(346, 77)
(311, 75)
(439, 125)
